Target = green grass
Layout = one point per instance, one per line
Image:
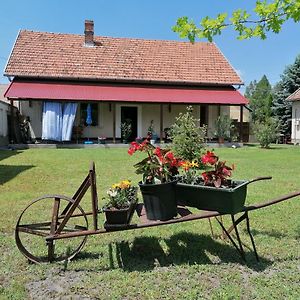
(179, 261)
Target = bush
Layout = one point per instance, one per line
(266, 132)
(223, 127)
(187, 137)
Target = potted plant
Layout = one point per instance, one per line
(158, 169)
(222, 128)
(126, 130)
(101, 140)
(122, 200)
(212, 190)
(152, 136)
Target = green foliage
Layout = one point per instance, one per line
(126, 129)
(266, 132)
(267, 17)
(120, 195)
(187, 138)
(289, 83)
(260, 96)
(223, 127)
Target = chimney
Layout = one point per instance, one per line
(89, 33)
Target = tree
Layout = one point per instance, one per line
(267, 131)
(268, 17)
(289, 83)
(260, 97)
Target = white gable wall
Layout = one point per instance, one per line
(296, 122)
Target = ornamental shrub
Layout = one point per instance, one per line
(267, 132)
(188, 138)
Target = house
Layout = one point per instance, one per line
(117, 80)
(4, 112)
(295, 98)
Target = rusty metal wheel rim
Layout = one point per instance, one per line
(34, 258)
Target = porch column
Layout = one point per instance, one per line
(241, 123)
(219, 110)
(161, 122)
(114, 122)
(12, 122)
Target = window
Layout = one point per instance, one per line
(83, 113)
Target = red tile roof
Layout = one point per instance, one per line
(295, 96)
(52, 55)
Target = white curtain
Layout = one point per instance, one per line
(52, 121)
(58, 121)
(69, 112)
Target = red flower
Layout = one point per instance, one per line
(209, 158)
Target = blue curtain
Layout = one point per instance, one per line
(58, 121)
(52, 121)
(69, 112)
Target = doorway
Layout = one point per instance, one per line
(129, 114)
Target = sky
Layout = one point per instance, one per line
(150, 20)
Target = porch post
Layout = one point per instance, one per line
(219, 110)
(241, 123)
(114, 122)
(161, 122)
(12, 121)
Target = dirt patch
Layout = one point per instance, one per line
(58, 285)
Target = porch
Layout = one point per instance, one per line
(113, 104)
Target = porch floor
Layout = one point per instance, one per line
(106, 145)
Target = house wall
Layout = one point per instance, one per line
(146, 113)
(4, 108)
(296, 122)
(33, 110)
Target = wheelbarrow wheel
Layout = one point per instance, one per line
(40, 219)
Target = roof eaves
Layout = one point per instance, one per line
(11, 51)
(132, 80)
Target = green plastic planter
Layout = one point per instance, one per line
(223, 200)
(159, 200)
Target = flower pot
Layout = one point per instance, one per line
(119, 216)
(221, 140)
(159, 200)
(223, 200)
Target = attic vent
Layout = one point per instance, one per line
(89, 33)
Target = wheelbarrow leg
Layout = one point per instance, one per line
(240, 250)
(238, 236)
(251, 236)
(53, 226)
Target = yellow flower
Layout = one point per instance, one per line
(125, 184)
(194, 164)
(116, 185)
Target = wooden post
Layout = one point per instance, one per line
(161, 122)
(241, 123)
(12, 122)
(219, 110)
(114, 122)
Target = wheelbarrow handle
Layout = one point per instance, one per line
(260, 178)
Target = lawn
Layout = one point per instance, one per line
(180, 261)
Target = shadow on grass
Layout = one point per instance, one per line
(8, 153)
(146, 253)
(7, 173)
(270, 233)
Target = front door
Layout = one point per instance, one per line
(129, 116)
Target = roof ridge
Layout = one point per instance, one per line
(120, 38)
